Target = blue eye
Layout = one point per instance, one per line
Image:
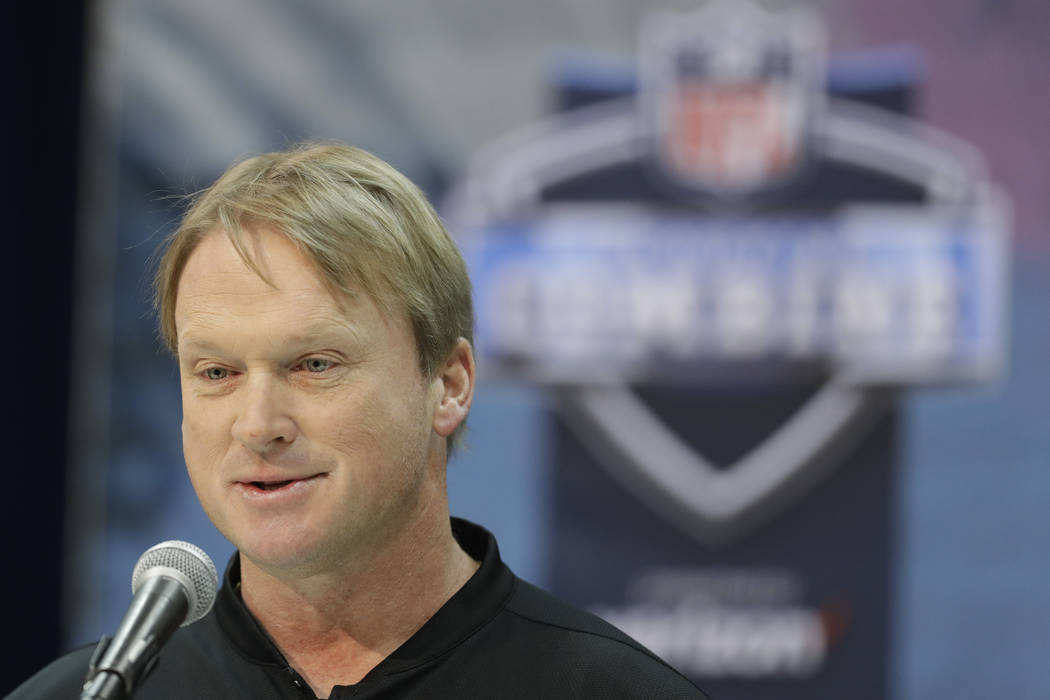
(215, 373)
(317, 364)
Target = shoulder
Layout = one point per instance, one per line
(195, 662)
(558, 617)
(582, 655)
(63, 678)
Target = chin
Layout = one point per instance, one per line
(289, 554)
(276, 549)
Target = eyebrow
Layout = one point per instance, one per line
(325, 330)
(198, 344)
(326, 333)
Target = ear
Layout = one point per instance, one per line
(455, 380)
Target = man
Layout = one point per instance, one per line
(321, 319)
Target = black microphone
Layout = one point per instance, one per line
(174, 583)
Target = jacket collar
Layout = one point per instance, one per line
(477, 602)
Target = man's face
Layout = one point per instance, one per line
(307, 424)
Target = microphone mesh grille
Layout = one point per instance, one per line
(192, 562)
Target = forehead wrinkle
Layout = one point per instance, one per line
(317, 326)
(237, 280)
(221, 288)
(325, 330)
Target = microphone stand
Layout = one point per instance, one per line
(120, 664)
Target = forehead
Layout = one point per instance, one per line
(217, 286)
(222, 302)
(216, 265)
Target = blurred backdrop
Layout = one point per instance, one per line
(920, 545)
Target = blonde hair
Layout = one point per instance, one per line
(364, 225)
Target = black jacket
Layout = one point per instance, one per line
(498, 637)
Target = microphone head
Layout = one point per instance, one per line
(186, 563)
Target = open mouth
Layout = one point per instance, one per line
(271, 485)
(265, 486)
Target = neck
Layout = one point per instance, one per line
(335, 626)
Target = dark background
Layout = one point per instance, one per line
(43, 56)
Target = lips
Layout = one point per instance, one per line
(271, 485)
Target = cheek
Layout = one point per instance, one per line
(201, 440)
(385, 430)
(356, 432)
(203, 465)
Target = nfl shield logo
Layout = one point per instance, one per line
(731, 109)
(729, 94)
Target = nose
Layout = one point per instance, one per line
(263, 420)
